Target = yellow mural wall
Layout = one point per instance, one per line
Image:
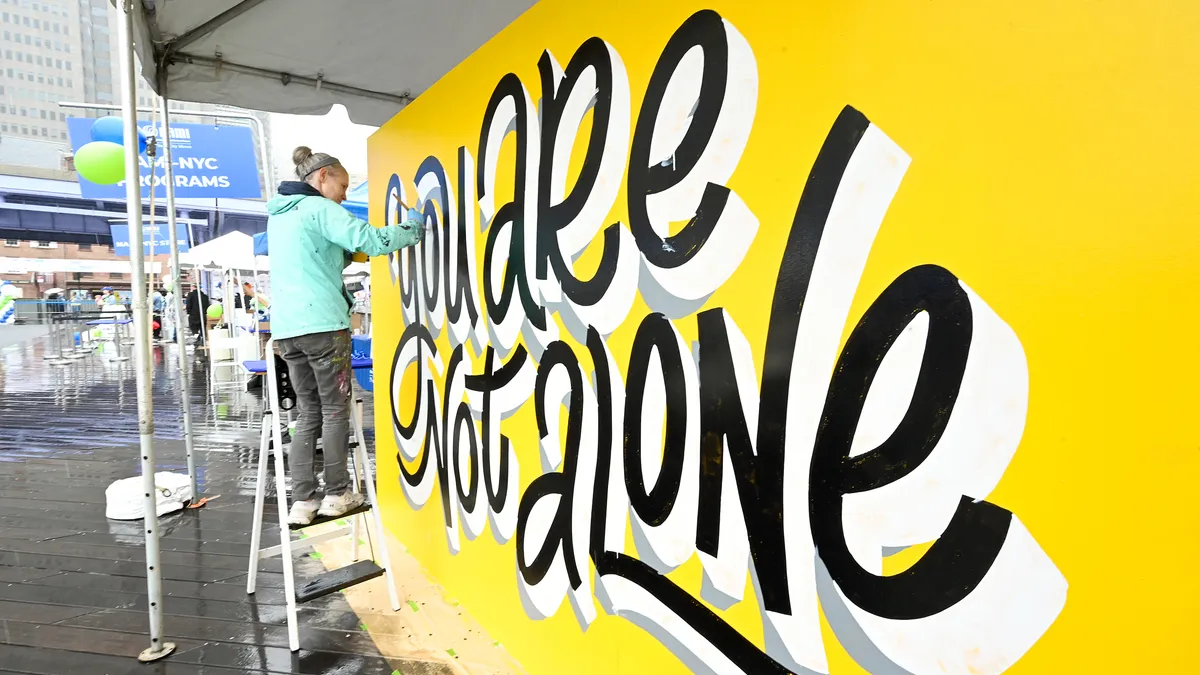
(1000, 198)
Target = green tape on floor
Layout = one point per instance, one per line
(314, 555)
(414, 606)
(451, 653)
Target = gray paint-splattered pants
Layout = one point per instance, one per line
(319, 365)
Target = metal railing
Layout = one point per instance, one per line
(42, 311)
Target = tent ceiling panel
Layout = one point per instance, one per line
(302, 56)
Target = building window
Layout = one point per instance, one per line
(116, 275)
(85, 247)
(45, 244)
(12, 242)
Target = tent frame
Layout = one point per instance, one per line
(168, 52)
(141, 323)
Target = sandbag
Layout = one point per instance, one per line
(125, 499)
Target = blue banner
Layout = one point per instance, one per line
(208, 161)
(162, 243)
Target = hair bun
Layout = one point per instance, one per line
(301, 155)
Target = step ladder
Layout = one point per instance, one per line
(271, 444)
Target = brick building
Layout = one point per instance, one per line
(37, 266)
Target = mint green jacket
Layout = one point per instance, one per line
(309, 240)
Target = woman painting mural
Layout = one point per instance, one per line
(311, 239)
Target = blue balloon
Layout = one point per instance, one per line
(112, 129)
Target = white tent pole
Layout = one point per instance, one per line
(153, 231)
(177, 283)
(133, 205)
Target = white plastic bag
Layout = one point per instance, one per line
(125, 498)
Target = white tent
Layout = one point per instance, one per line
(234, 251)
(303, 56)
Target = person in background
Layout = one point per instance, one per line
(248, 296)
(196, 304)
(311, 239)
(107, 297)
(157, 304)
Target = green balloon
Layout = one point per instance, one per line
(215, 311)
(101, 162)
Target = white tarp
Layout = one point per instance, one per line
(233, 251)
(372, 56)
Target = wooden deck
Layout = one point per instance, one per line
(72, 583)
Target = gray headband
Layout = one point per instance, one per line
(321, 164)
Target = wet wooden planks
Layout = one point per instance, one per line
(72, 583)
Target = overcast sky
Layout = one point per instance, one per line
(333, 133)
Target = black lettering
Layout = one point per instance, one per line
(431, 278)
(510, 215)
(704, 29)
(408, 287)
(489, 382)
(591, 54)
(654, 505)
(459, 290)
(414, 331)
(561, 483)
(960, 558)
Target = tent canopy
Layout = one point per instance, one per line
(302, 56)
(228, 251)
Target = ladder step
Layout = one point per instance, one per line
(321, 520)
(287, 440)
(336, 580)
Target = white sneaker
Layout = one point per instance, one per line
(302, 513)
(331, 506)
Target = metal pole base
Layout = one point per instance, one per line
(119, 359)
(153, 654)
(63, 362)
